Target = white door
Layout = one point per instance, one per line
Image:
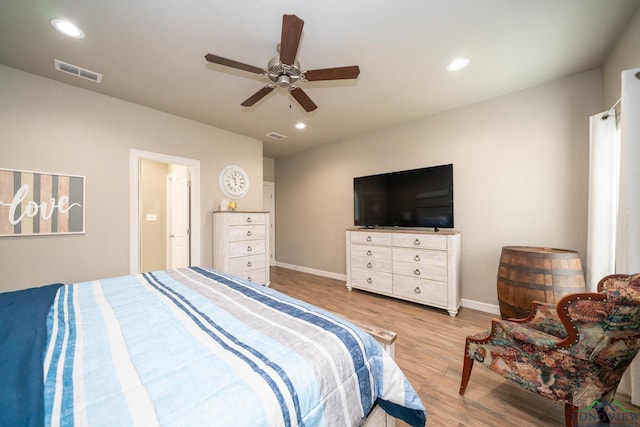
(178, 228)
(269, 205)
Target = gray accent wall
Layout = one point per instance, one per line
(520, 173)
(520, 178)
(624, 56)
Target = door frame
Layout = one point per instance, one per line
(134, 216)
(270, 206)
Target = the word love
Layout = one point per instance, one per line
(45, 209)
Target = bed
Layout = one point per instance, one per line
(189, 347)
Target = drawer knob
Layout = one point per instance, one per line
(368, 238)
(249, 233)
(249, 219)
(416, 242)
(369, 280)
(249, 264)
(416, 258)
(249, 279)
(417, 290)
(416, 272)
(249, 249)
(369, 265)
(369, 253)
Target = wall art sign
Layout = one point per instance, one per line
(38, 203)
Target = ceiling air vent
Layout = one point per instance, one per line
(276, 135)
(77, 71)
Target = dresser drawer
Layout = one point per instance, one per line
(247, 232)
(371, 251)
(374, 280)
(244, 248)
(370, 238)
(254, 276)
(420, 290)
(420, 257)
(422, 241)
(246, 218)
(241, 264)
(412, 269)
(374, 264)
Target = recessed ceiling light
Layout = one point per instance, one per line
(67, 28)
(300, 125)
(458, 64)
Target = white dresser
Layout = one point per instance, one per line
(241, 244)
(418, 266)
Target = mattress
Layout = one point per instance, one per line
(195, 347)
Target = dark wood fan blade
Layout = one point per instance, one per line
(257, 96)
(338, 73)
(303, 99)
(233, 64)
(290, 39)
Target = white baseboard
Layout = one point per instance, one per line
(481, 306)
(322, 273)
(473, 305)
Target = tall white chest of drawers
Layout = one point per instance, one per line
(241, 244)
(414, 265)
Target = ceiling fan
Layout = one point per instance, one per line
(284, 71)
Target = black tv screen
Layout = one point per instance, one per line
(411, 198)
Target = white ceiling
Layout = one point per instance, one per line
(151, 52)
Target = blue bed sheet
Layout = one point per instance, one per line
(23, 334)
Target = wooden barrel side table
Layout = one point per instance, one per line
(527, 274)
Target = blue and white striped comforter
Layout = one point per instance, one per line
(194, 347)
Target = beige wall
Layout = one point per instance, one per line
(520, 178)
(52, 127)
(624, 56)
(269, 169)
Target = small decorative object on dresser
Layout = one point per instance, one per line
(241, 244)
(418, 266)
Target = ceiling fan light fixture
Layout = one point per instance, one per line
(283, 81)
(68, 28)
(458, 64)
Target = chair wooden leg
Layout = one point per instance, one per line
(570, 415)
(604, 417)
(466, 372)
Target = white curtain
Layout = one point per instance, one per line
(628, 248)
(604, 159)
(628, 239)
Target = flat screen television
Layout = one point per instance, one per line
(411, 198)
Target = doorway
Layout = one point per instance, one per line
(164, 211)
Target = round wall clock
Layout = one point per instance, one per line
(234, 182)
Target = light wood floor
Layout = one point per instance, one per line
(429, 350)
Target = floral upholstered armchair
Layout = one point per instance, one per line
(574, 352)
